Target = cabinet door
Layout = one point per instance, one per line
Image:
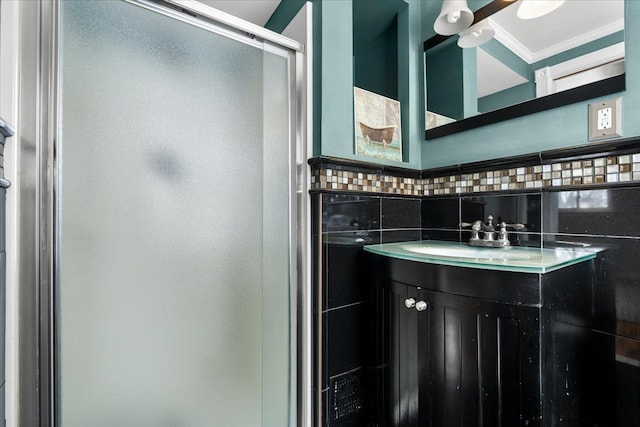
(404, 369)
(478, 362)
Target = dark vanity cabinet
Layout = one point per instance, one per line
(474, 347)
(471, 356)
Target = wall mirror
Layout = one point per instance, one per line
(522, 66)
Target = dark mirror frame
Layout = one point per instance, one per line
(582, 93)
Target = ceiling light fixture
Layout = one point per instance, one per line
(455, 16)
(476, 35)
(530, 9)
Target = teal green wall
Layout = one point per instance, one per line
(333, 82)
(333, 95)
(410, 78)
(470, 82)
(511, 96)
(374, 75)
(557, 128)
(284, 14)
(333, 78)
(445, 82)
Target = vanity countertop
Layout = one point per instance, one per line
(514, 259)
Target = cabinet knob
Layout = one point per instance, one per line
(422, 305)
(410, 303)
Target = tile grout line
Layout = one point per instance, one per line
(353, 304)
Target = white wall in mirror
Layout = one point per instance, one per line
(533, 46)
(494, 76)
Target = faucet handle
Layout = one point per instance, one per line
(502, 234)
(475, 225)
(515, 226)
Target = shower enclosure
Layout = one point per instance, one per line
(172, 217)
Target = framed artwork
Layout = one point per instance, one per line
(377, 126)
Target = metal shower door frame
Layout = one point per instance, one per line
(37, 192)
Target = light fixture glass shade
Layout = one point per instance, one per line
(455, 16)
(476, 35)
(530, 9)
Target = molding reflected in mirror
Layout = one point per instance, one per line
(596, 61)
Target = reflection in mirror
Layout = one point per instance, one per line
(577, 44)
(586, 199)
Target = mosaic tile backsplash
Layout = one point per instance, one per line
(336, 179)
(599, 170)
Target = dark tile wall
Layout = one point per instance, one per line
(442, 216)
(608, 218)
(605, 218)
(365, 206)
(344, 307)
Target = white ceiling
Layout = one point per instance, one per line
(254, 11)
(574, 23)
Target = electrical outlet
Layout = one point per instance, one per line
(605, 119)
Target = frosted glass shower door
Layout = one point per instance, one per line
(172, 294)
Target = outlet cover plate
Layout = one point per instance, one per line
(606, 115)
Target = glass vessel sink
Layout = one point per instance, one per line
(473, 252)
(517, 259)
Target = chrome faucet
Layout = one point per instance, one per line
(490, 236)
